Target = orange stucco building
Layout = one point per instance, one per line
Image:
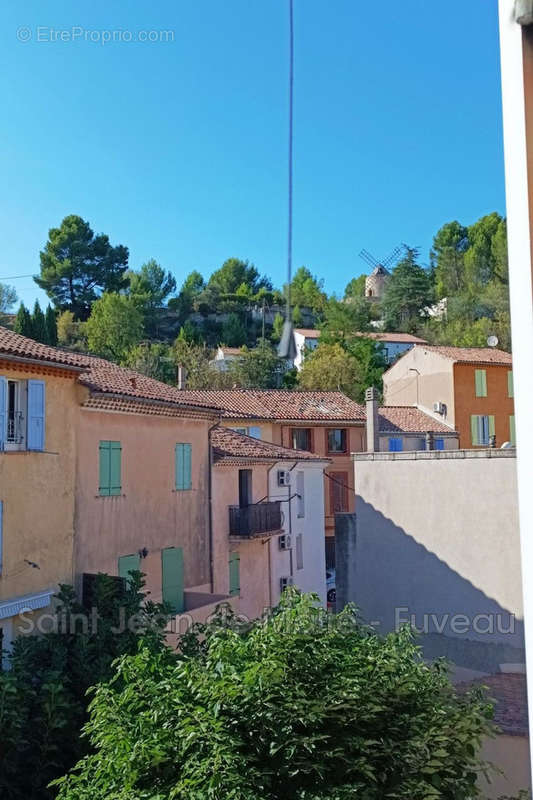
(469, 388)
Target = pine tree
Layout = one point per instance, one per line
(23, 323)
(51, 325)
(40, 334)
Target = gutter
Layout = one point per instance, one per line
(39, 362)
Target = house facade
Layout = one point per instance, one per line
(305, 340)
(268, 521)
(470, 389)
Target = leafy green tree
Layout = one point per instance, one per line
(297, 317)
(233, 274)
(189, 294)
(355, 288)
(23, 323)
(234, 332)
(77, 266)
(343, 320)
(38, 324)
(43, 697)
(277, 327)
(408, 291)
(196, 359)
(448, 255)
(66, 329)
(51, 325)
(293, 707)
(114, 327)
(371, 360)
(149, 289)
(258, 368)
(486, 257)
(307, 290)
(8, 298)
(154, 359)
(331, 368)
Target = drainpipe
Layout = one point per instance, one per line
(210, 504)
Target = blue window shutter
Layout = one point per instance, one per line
(3, 411)
(36, 406)
(127, 564)
(254, 431)
(183, 466)
(438, 444)
(1, 535)
(172, 578)
(395, 445)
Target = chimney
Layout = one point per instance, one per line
(372, 420)
(182, 377)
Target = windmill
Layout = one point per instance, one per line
(376, 281)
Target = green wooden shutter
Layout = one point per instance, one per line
(183, 466)
(172, 578)
(115, 468)
(104, 479)
(481, 383)
(234, 574)
(512, 430)
(510, 384)
(474, 429)
(127, 564)
(492, 426)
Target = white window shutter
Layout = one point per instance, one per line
(3, 411)
(36, 411)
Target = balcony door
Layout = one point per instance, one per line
(245, 487)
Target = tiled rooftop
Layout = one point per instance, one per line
(473, 355)
(509, 692)
(278, 405)
(309, 333)
(228, 445)
(400, 338)
(395, 419)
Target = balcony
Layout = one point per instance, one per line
(248, 521)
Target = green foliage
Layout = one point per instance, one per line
(77, 265)
(190, 291)
(297, 317)
(259, 368)
(114, 327)
(448, 257)
(355, 288)
(155, 359)
(234, 274)
(408, 291)
(306, 290)
(43, 702)
(234, 331)
(38, 324)
(23, 322)
(196, 358)
(51, 325)
(298, 706)
(149, 288)
(329, 367)
(343, 320)
(8, 298)
(277, 327)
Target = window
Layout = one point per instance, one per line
(301, 438)
(510, 384)
(245, 488)
(300, 492)
(128, 564)
(438, 444)
(22, 414)
(172, 578)
(110, 480)
(338, 491)
(512, 434)
(481, 382)
(254, 431)
(234, 574)
(337, 440)
(395, 444)
(183, 463)
(482, 428)
(299, 551)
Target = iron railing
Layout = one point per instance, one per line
(248, 521)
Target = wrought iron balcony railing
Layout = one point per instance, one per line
(253, 520)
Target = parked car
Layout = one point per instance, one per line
(331, 590)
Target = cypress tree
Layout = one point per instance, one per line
(51, 325)
(23, 323)
(40, 334)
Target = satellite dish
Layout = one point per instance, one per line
(492, 341)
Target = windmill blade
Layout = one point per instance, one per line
(369, 258)
(393, 258)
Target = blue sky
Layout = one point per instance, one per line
(178, 149)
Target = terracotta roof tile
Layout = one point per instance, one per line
(509, 692)
(402, 338)
(13, 344)
(309, 333)
(228, 444)
(409, 419)
(473, 355)
(279, 405)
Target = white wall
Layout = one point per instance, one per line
(312, 578)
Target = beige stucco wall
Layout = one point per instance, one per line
(37, 490)
(150, 512)
(402, 387)
(510, 754)
(254, 554)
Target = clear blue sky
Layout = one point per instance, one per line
(178, 149)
